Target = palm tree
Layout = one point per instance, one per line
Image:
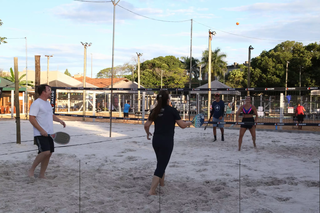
(218, 64)
(21, 83)
(186, 65)
(2, 39)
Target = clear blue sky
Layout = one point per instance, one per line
(57, 28)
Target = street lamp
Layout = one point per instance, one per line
(114, 2)
(91, 65)
(26, 98)
(85, 45)
(249, 58)
(112, 65)
(161, 77)
(211, 33)
(48, 57)
(300, 82)
(286, 79)
(190, 56)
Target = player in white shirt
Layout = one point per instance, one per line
(41, 117)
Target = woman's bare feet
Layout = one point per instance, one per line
(30, 173)
(152, 193)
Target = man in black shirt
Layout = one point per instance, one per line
(217, 113)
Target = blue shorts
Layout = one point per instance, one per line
(218, 120)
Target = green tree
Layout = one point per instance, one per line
(2, 39)
(186, 65)
(118, 71)
(269, 68)
(13, 79)
(314, 71)
(236, 79)
(67, 73)
(301, 61)
(130, 70)
(173, 76)
(218, 65)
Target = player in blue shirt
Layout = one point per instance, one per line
(126, 109)
(217, 113)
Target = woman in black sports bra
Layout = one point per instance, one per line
(248, 111)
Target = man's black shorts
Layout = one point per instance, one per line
(44, 144)
(125, 114)
(300, 117)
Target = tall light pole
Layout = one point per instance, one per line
(249, 59)
(85, 45)
(285, 92)
(161, 77)
(200, 76)
(300, 82)
(114, 2)
(211, 33)
(48, 57)
(190, 56)
(139, 55)
(26, 98)
(91, 65)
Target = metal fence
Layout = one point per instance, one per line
(273, 105)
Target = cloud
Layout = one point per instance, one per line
(203, 9)
(85, 12)
(300, 29)
(297, 27)
(299, 6)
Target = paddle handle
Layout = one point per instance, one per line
(208, 121)
(52, 136)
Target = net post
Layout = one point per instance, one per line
(133, 103)
(69, 102)
(143, 106)
(119, 104)
(182, 102)
(109, 101)
(94, 105)
(188, 101)
(53, 99)
(198, 103)
(281, 108)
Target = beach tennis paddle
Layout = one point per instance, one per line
(208, 121)
(198, 120)
(60, 137)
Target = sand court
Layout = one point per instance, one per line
(96, 173)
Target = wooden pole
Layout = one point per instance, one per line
(139, 95)
(37, 78)
(209, 74)
(37, 75)
(16, 99)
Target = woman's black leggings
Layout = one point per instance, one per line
(163, 148)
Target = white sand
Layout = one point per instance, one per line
(202, 176)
